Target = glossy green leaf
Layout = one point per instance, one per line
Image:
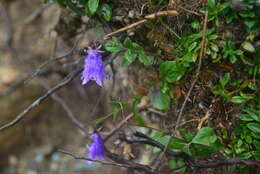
(205, 136)
(238, 99)
(248, 46)
(93, 6)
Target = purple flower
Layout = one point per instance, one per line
(94, 68)
(97, 149)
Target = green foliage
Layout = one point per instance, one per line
(205, 136)
(87, 7)
(214, 10)
(172, 71)
(229, 51)
(226, 82)
(132, 51)
(245, 138)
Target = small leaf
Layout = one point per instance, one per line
(214, 47)
(146, 60)
(238, 100)
(253, 114)
(106, 11)
(172, 71)
(192, 46)
(93, 6)
(205, 136)
(248, 46)
(255, 127)
(137, 114)
(195, 25)
(250, 24)
(163, 140)
(128, 43)
(129, 57)
(160, 100)
(245, 117)
(225, 80)
(114, 45)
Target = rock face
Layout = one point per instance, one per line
(13, 139)
(28, 44)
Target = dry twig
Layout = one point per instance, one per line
(148, 17)
(38, 101)
(202, 50)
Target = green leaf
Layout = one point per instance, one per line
(160, 100)
(177, 144)
(172, 71)
(212, 3)
(114, 45)
(129, 57)
(248, 46)
(137, 114)
(247, 14)
(253, 114)
(255, 127)
(192, 46)
(238, 99)
(163, 140)
(214, 47)
(146, 60)
(106, 11)
(245, 117)
(93, 6)
(225, 80)
(212, 37)
(128, 43)
(250, 24)
(205, 136)
(195, 25)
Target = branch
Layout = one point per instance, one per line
(148, 17)
(19, 117)
(122, 123)
(36, 72)
(123, 162)
(189, 159)
(64, 105)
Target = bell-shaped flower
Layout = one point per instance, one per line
(94, 68)
(97, 149)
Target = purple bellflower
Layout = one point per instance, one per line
(94, 68)
(97, 149)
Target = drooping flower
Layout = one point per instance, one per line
(97, 149)
(94, 68)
